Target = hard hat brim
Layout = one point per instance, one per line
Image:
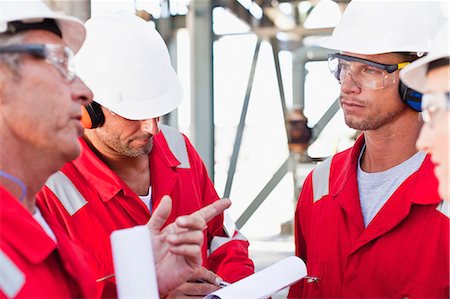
(143, 109)
(340, 46)
(72, 29)
(414, 75)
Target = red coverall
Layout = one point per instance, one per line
(32, 265)
(403, 252)
(105, 203)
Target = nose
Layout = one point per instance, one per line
(81, 93)
(150, 126)
(423, 142)
(349, 85)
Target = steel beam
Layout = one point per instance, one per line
(268, 188)
(325, 119)
(202, 101)
(240, 129)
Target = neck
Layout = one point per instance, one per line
(134, 171)
(392, 144)
(24, 168)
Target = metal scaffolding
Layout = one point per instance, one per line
(199, 21)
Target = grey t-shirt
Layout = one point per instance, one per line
(376, 188)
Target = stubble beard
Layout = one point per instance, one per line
(126, 147)
(133, 152)
(375, 122)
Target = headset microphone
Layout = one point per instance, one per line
(92, 116)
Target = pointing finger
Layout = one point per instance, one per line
(161, 213)
(214, 209)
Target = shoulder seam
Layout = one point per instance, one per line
(177, 145)
(321, 179)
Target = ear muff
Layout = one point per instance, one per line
(92, 116)
(411, 97)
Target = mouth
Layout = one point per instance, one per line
(351, 105)
(143, 139)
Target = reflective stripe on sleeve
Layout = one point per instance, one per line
(444, 208)
(228, 224)
(177, 145)
(66, 192)
(217, 242)
(12, 278)
(320, 179)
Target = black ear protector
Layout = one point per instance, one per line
(411, 97)
(92, 116)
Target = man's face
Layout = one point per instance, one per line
(370, 109)
(40, 107)
(124, 137)
(434, 136)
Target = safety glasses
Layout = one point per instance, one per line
(433, 104)
(59, 56)
(365, 73)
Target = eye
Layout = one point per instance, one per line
(372, 71)
(432, 110)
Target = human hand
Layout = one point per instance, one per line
(201, 283)
(177, 248)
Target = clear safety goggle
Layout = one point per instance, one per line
(433, 103)
(58, 56)
(365, 73)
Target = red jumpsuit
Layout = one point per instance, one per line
(32, 265)
(92, 201)
(403, 252)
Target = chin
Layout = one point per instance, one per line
(442, 177)
(72, 152)
(444, 192)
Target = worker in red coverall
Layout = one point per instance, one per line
(129, 161)
(40, 111)
(40, 100)
(369, 221)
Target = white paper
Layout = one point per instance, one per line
(134, 263)
(266, 282)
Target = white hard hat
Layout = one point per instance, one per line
(126, 64)
(376, 27)
(27, 12)
(414, 75)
